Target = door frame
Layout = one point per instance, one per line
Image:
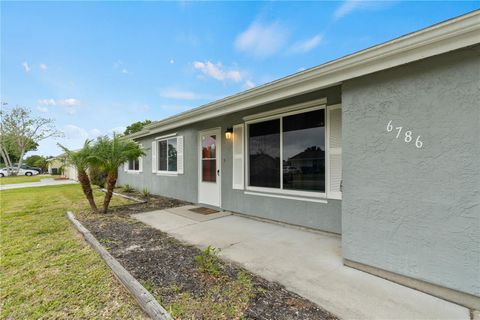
(218, 132)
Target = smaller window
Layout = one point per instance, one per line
(134, 165)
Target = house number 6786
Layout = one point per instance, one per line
(407, 135)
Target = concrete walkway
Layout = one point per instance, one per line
(306, 262)
(41, 183)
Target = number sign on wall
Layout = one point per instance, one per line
(407, 135)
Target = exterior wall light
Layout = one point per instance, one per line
(229, 133)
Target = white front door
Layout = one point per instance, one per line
(209, 167)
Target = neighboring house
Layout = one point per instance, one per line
(55, 165)
(58, 165)
(393, 166)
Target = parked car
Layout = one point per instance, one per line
(4, 172)
(27, 167)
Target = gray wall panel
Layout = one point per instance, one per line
(415, 212)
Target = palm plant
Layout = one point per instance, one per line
(109, 154)
(80, 159)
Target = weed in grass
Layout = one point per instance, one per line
(207, 261)
(128, 188)
(145, 193)
(227, 299)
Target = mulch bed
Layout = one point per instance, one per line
(167, 266)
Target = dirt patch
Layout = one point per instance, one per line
(167, 268)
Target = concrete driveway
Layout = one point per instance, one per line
(306, 262)
(41, 183)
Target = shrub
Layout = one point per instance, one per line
(97, 177)
(208, 261)
(128, 188)
(145, 193)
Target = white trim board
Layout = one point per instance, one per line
(281, 196)
(440, 38)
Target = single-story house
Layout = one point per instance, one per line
(59, 165)
(381, 147)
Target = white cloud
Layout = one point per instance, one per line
(218, 71)
(306, 45)
(262, 40)
(173, 93)
(95, 133)
(301, 69)
(43, 66)
(26, 67)
(47, 102)
(348, 6)
(117, 130)
(69, 104)
(42, 109)
(249, 84)
(125, 71)
(73, 132)
(172, 61)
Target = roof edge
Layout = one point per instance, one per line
(446, 36)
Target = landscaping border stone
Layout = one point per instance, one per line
(144, 298)
(125, 196)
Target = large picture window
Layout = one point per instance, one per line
(288, 152)
(167, 155)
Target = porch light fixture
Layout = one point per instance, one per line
(228, 133)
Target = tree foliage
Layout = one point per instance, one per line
(81, 160)
(136, 127)
(109, 154)
(102, 159)
(21, 132)
(37, 161)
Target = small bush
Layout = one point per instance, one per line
(145, 193)
(128, 188)
(97, 177)
(208, 261)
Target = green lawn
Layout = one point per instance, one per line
(46, 269)
(22, 179)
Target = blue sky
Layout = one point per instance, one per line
(96, 67)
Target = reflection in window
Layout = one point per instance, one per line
(304, 151)
(167, 155)
(172, 155)
(264, 154)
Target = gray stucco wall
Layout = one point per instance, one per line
(323, 216)
(415, 212)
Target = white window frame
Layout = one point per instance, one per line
(134, 171)
(157, 141)
(273, 191)
(140, 165)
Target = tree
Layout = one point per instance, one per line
(136, 127)
(37, 161)
(19, 129)
(81, 160)
(11, 151)
(109, 154)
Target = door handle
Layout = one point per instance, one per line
(218, 172)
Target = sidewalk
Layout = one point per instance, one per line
(42, 183)
(306, 262)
